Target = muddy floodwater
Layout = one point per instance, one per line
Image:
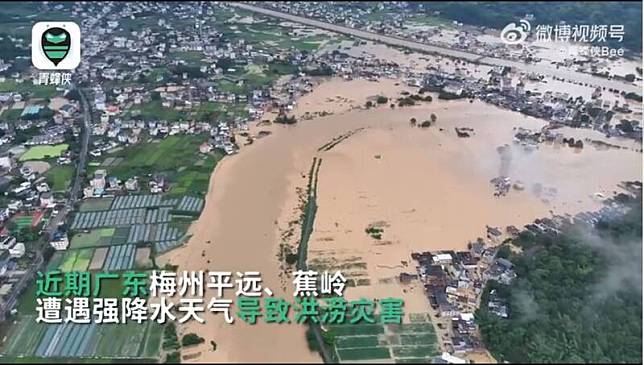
(426, 187)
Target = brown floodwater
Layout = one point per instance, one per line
(429, 187)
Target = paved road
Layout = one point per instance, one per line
(396, 41)
(82, 160)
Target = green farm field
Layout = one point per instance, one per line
(41, 152)
(96, 237)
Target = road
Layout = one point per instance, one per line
(80, 167)
(469, 56)
(54, 222)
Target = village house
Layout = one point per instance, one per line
(59, 240)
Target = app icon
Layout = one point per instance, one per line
(515, 34)
(55, 45)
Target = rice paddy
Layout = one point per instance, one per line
(408, 342)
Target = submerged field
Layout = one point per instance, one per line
(413, 342)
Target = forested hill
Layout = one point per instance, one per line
(498, 14)
(577, 296)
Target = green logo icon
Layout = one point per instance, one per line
(55, 44)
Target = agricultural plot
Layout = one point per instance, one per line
(161, 215)
(96, 237)
(120, 218)
(90, 205)
(120, 258)
(133, 219)
(165, 246)
(152, 233)
(70, 340)
(120, 235)
(55, 260)
(76, 260)
(99, 258)
(59, 177)
(415, 341)
(25, 338)
(112, 161)
(188, 171)
(137, 201)
(185, 203)
(67, 340)
(128, 220)
(364, 353)
(142, 258)
(190, 204)
(41, 152)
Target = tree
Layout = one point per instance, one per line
(626, 126)
(433, 118)
(382, 99)
(562, 308)
(412, 121)
(173, 358)
(191, 339)
(504, 252)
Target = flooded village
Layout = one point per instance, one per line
(455, 281)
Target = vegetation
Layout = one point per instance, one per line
(153, 110)
(28, 87)
(308, 215)
(406, 101)
(170, 338)
(374, 232)
(633, 96)
(191, 339)
(40, 152)
(382, 99)
(323, 70)
(577, 297)
(444, 95)
(59, 177)
(285, 119)
(175, 157)
(173, 358)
